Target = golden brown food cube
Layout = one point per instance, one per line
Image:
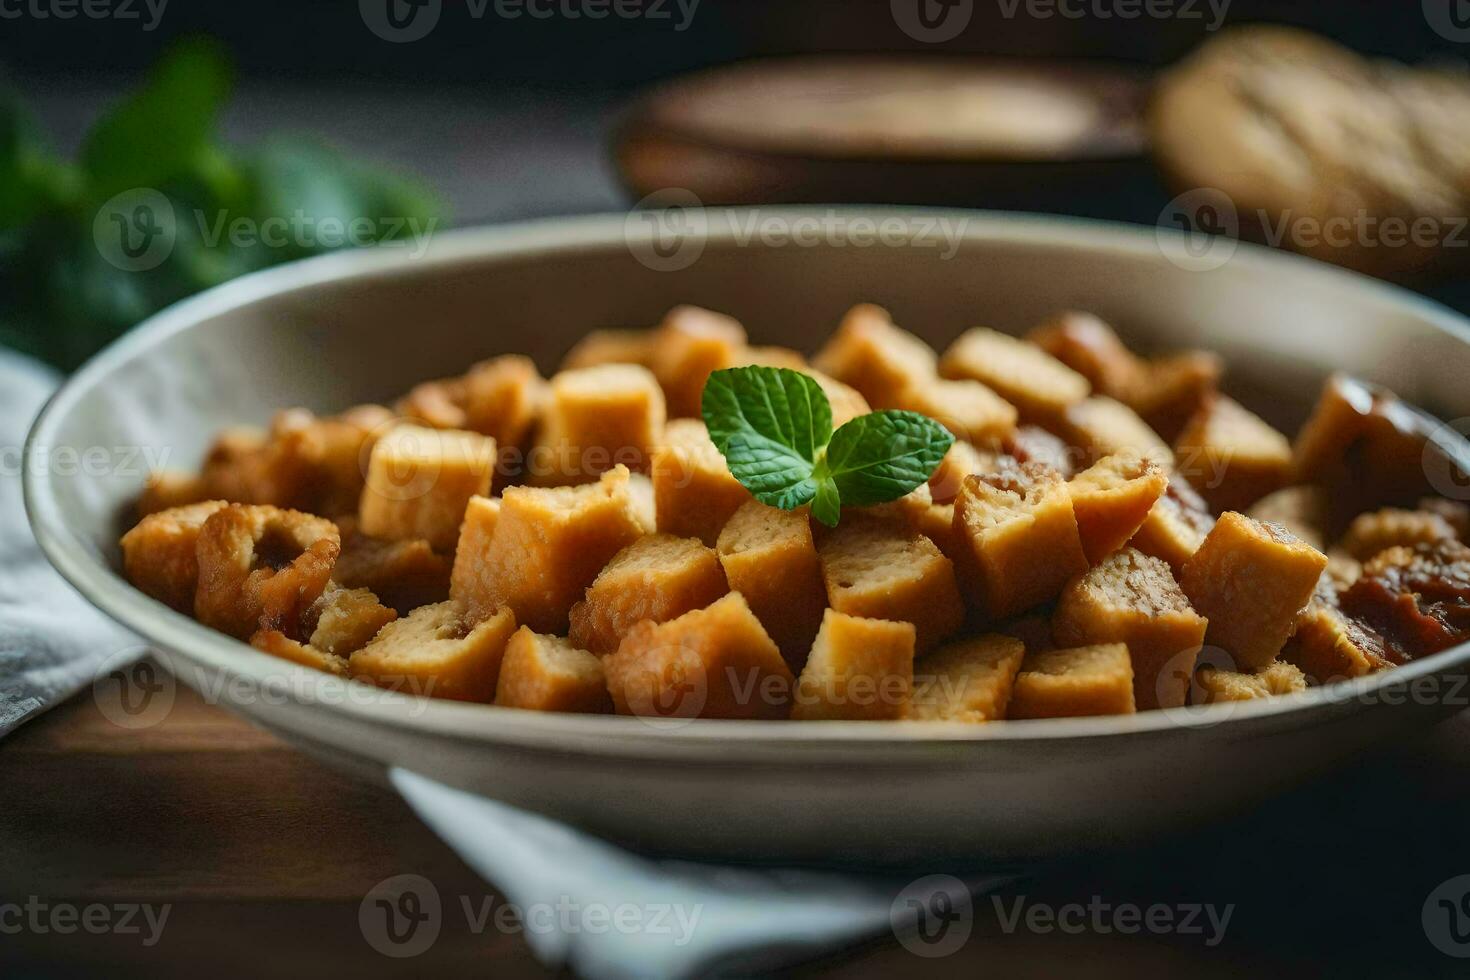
(231, 466)
(159, 553)
(1364, 445)
(317, 464)
(419, 482)
(1089, 346)
(691, 343)
(847, 404)
(404, 574)
(1112, 499)
(1033, 444)
(167, 489)
(962, 460)
(500, 398)
(770, 558)
(1373, 532)
(877, 358)
(548, 545)
(1082, 681)
(611, 347)
(261, 567)
(657, 577)
(1102, 426)
(1250, 580)
(344, 620)
(597, 418)
(1171, 389)
(278, 644)
(859, 670)
(1176, 526)
(1131, 598)
(1231, 456)
(1040, 386)
(548, 673)
(1302, 510)
(694, 493)
(882, 570)
(1213, 685)
(967, 409)
(1022, 537)
(436, 652)
(969, 680)
(715, 662)
(1328, 646)
(481, 515)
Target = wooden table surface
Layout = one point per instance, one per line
(264, 856)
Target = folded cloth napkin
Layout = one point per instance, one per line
(584, 903)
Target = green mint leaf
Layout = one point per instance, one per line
(884, 455)
(827, 504)
(779, 405)
(774, 474)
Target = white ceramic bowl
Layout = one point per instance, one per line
(362, 326)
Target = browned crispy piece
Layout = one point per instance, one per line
(1131, 598)
(1092, 680)
(1302, 510)
(344, 620)
(969, 680)
(1231, 456)
(1112, 499)
(1022, 537)
(611, 347)
(1171, 389)
(1378, 530)
(597, 418)
(1040, 386)
(1102, 426)
(877, 358)
(232, 464)
(481, 515)
(715, 662)
(968, 409)
(404, 574)
(420, 481)
(167, 489)
(657, 577)
(1250, 580)
(548, 545)
(859, 670)
(436, 652)
(159, 553)
(548, 673)
(770, 558)
(1328, 646)
(694, 493)
(1089, 346)
(880, 569)
(1213, 685)
(500, 398)
(261, 567)
(1176, 525)
(1033, 444)
(962, 460)
(690, 344)
(278, 644)
(1417, 599)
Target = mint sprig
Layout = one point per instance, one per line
(774, 428)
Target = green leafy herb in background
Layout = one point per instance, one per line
(774, 428)
(62, 300)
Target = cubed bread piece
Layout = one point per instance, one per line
(859, 670)
(1131, 598)
(962, 460)
(420, 480)
(1250, 580)
(1371, 533)
(657, 577)
(1094, 680)
(777, 357)
(1328, 646)
(611, 347)
(481, 515)
(167, 489)
(1033, 444)
(1112, 499)
(1362, 444)
(1089, 346)
(968, 409)
(847, 403)
(278, 644)
(436, 652)
(1176, 525)
(261, 567)
(344, 620)
(404, 574)
(969, 680)
(1171, 389)
(1302, 510)
(315, 465)
(640, 494)
(159, 553)
(597, 418)
(1040, 386)
(503, 399)
(770, 558)
(877, 358)
(716, 662)
(1213, 685)
(548, 546)
(1231, 456)
(694, 493)
(1022, 537)
(548, 673)
(882, 570)
(1102, 426)
(690, 344)
(231, 465)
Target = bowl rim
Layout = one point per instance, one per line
(742, 741)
